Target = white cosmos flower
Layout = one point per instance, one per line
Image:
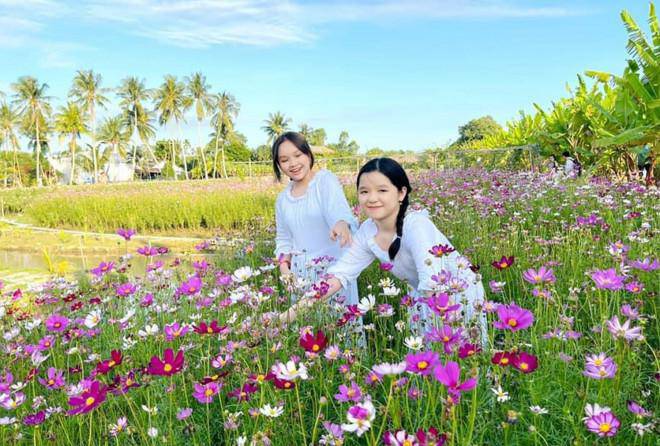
(244, 273)
(367, 303)
(290, 371)
(359, 418)
(414, 342)
(390, 291)
(271, 412)
(502, 396)
(93, 319)
(389, 369)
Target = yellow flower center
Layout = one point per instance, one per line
(287, 385)
(129, 382)
(602, 372)
(112, 363)
(524, 366)
(605, 427)
(351, 393)
(209, 330)
(57, 325)
(407, 443)
(208, 392)
(598, 362)
(422, 365)
(315, 348)
(51, 382)
(445, 339)
(89, 401)
(167, 368)
(504, 360)
(512, 322)
(503, 265)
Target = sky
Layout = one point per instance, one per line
(394, 74)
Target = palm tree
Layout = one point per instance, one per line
(198, 90)
(114, 134)
(276, 124)
(133, 93)
(171, 102)
(10, 120)
(306, 130)
(30, 96)
(226, 110)
(71, 122)
(88, 93)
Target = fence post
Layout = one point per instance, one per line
(250, 168)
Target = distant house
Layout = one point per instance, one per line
(62, 165)
(322, 151)
(118, 169)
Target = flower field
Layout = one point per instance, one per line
(193, 353)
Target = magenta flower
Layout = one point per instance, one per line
(525, 362)
(103, 269)
(623, 331)
(646, 265)
(605, 424)
(449, 375)
(126, 233)
(204, 393)
(35, 419)
(385, 266)
(635, 287)
(168, 366)
(441, 250)
(191, 286)
(54, 379)
(607, 279)
(638, 410)
(446, 335)
(600, 366)
(126, 289)
(467, 350)
(89, 400)
(513, 318)
(422, 363)
(46, 343)
(147, 251)
(540, 276)
(439, 304)
(175, 330)
(352, 393)
(57, 323)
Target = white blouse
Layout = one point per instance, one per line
(413, 263)
(303, 223)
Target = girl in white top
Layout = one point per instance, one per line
(404, 239)
(312, 216)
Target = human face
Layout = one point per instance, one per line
(379, 197)
(293, 163)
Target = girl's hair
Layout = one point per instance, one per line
(395, 173)
(297, 140)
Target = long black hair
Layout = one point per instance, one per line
(395, 173)
(297, 140)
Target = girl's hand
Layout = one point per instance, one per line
(342, 231)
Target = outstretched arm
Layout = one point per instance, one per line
(306, 302)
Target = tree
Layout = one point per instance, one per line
(114, 134)
(171, 102)
(88, 93)
(133, 93)
(30, 96)
(198, 90)
(478, 129)
(10, 120)
(276, 124)
(70, 122)
(226, 110)
(306, 131)
(317, 137)
(343, 147)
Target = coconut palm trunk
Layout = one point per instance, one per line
(201, 149)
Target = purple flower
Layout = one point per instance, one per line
(184, 413)
(175, 330)
(635, 287)
(607, 279)
(638, 410)
(449, 375)
(46, 343)
(352, 393)
(540, 276)
(446, 335)
(103, 269)
(605, 424)
(204, 393)
(57, 323)
(623, 331)
(126, 289)
(385, 266)
(630, 312)
(35, 419)
(54, 379)
(496, 287)
(126, 233)
(422, 363)
(439, 304)
(513, 318)
(645, 265)
(191, 286)
(600, 367)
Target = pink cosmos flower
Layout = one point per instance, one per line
(446, 335)
(646, 265)
(449, 375)
(168, 366)
(126, 289)
(540, 276)
(513, 318)
(422, 363)
(103, 269)
(54, 379)
(525, 362)
(623, 331)
(175, 330)
(607, 279)
(191, 286)
(89, 399)
(439, 304)
(352, 393)
(635, 287)
(57, 323)
(605, 424)
(204, 393)
(126, 233)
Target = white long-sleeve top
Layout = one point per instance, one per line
(413, 263)
(303, 223)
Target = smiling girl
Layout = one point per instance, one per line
(312, 216)
(409, 241)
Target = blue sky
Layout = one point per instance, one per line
(394, 74)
